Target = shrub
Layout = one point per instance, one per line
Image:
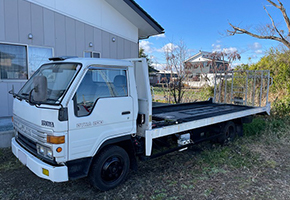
(257, 126)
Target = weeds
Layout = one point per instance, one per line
(10, 165)
(162, 94)
(263, 134)
(257, 127)
(220, 159)
(8, 161)
(281, 107)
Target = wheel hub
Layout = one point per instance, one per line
(112, 169)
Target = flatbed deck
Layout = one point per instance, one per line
(179, 113)
(172, 119)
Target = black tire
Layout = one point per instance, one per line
(228, 133)
(110, 168)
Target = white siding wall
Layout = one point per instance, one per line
(95, 22)
(97, 13)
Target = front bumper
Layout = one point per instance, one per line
(55, 173)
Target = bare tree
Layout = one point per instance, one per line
(222, 56)
(269, 31)
(175, 57)
(221, 66)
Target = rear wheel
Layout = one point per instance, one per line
(228, 133)
(110, 168)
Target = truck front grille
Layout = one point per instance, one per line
(27, 143)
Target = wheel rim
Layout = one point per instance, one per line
(112, 169)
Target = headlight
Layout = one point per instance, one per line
(44, 151)
(49, 153)
(41, 150)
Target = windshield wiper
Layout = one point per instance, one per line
(14, 94)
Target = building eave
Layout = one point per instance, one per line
(204, 59)
(146, 25)
(192, 57)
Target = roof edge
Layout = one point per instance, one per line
(132, 4)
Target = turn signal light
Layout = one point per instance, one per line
(59, 149)
(55, 139)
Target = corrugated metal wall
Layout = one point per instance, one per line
(65, 35)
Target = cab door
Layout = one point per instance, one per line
(100, 109)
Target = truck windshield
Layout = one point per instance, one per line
(55, 80)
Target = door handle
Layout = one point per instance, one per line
(126, 113)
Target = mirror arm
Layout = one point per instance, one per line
(29, 97)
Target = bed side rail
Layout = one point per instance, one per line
(249, 87)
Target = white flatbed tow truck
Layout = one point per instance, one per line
(78, 117)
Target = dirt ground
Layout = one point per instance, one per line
(250, 168)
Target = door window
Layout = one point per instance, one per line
(99, 83)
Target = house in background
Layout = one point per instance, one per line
(153, 78)
(162, 76)
(201, 67)
(31, 31)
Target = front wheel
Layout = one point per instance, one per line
(110, 168)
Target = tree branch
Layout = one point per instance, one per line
(271, 35)
(274, 4)
(238, 30)
(273, 24)
(285, 16)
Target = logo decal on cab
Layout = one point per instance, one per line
(47, 123)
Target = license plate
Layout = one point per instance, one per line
(22, 157)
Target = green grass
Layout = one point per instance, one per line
(220, 159)
(257, 126)
(263, 132)
(190, 94)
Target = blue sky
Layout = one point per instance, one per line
(202, 25)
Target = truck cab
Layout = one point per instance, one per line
(72, 109)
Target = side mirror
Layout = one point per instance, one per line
(40, 88)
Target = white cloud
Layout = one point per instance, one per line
(259, 51)
(216, 47)
(159, 66)
(159, 36)
(167, 48)
(256, 45)
(230, 50)
(146, 45)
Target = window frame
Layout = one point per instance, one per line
(27, 59)
(100, 67)
(16, 80)
(91, 52)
